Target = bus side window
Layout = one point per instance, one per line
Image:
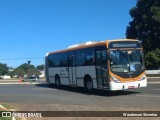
(71, 59)
(104, 58)
(80, 58)
(57, 60)
(90, 60)
(51, 61)
(64, 60)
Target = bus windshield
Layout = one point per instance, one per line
(126, 60)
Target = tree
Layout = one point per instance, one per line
(10, 71)
(146, 26)
(153, 58)
(3, 69)
(40, 67)
(26, 69)
(34, 71)
(19, 71)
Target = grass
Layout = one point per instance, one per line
(7, 106)
(1, 110)
(5, 118)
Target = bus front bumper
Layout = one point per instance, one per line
(130, 85)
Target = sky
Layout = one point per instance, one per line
(31, 28)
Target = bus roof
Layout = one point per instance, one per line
(116, 40)
(89, 44)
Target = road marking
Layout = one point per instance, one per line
(148, 96)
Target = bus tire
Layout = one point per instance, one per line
(57, 81)
(88, 84)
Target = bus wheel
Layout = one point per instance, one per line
(89, 85)
(58, 83)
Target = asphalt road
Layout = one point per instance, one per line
(42, 97)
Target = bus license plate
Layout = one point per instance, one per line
(131, 87)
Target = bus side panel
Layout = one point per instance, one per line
(52, 73)
(62, 72)
(81, 71)
(64, 76)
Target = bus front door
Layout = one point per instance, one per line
(72, 70)
(101, 69)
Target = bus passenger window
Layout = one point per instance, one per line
(80, 58)
(90, 60)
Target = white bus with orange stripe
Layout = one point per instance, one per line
(110, 65)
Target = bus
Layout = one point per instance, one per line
(108, 65)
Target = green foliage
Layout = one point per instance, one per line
(153, 58)
(7, 106)
(10, 73)
(40, 67)
(146, 27)
(3, 69)
(7, 118)
(26, 69)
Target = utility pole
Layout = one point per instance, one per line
(29, 62)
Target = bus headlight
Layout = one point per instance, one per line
(143, 77)
(115, 79)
